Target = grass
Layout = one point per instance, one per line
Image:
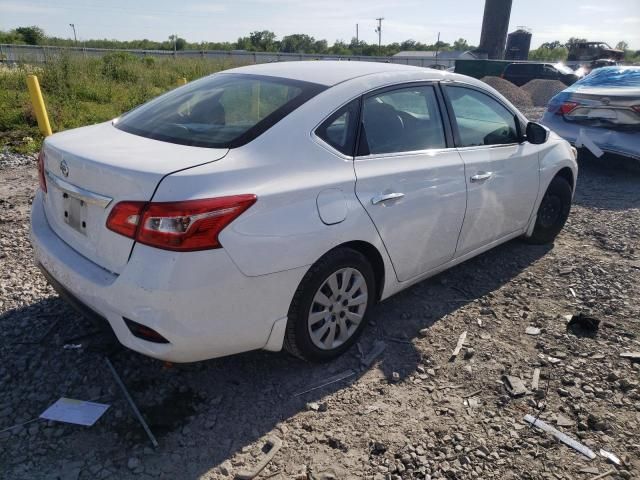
(82, 91)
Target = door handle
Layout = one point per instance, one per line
(384, 197)
(481, 177)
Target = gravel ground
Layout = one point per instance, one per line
(541, 91)
(513, 93)
(413, 413)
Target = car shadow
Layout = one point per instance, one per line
(226, 404)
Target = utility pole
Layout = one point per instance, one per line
(437, 47)
(75, 38)
(357, 36)
(175, 39)
(379, 31)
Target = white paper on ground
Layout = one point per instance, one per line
(75, 411)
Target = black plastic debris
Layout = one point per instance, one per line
(582, 325)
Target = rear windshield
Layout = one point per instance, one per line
(220, 111)
(612, 77)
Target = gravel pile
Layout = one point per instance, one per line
(513, 93)
(9, 159)
(412, 414)
(541, 91)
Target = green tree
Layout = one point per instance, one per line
(552, 45)
(622, 45)
(31, 35)
(298, 43)
(263, 41)
(549, 54)
(461, 44)
(573, 40)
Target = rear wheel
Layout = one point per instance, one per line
(328, 311)
(552, 212)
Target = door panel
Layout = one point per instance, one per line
(501, 203)
(421, 228)
(410, 184)
(502, 174)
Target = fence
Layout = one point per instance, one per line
(42, 54)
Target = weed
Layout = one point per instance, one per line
(81, 91)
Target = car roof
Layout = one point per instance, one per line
(330, 73)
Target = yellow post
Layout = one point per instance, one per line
(38, 105)
(182, 81)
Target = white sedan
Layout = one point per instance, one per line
(273, 205)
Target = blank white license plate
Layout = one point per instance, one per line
(606, 113)
(75, 213)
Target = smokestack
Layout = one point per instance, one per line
(495, 24)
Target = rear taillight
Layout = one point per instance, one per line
(41, 177)
(636, 108)
(181, 226)
(567, 107)
(125, 217)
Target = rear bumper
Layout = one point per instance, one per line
(199, 301)
(609, 141)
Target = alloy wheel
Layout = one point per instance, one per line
(337, 308)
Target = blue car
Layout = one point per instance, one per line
(600, 112)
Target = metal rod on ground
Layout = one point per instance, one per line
(137, 413)
(604, 475)
(38, 105)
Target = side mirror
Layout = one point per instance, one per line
(537, 134)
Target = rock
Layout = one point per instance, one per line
(596, 423)
(469, 353)
(395, 377)
(133, 463)
(633, 356)
(514, 385)
(532, 331)
(225, 468)
(563, 421)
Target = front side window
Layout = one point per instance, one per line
(403, 120)
(340, 129)
(481, 120)
(220, 111)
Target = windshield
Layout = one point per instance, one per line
(611, 77)
(225, 110)
(562, 68)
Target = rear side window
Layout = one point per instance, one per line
(480, 119)
(219, 111)
(340, 129)
(402, 120)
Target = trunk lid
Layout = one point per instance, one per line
(606, 108)
(90, 169)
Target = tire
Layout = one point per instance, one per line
(552, 212)
(317, 311)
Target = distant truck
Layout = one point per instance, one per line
(589, 51)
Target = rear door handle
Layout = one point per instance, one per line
(387, 196)
(481, 176)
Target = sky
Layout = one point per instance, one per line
(226, 20)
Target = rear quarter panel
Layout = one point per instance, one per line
(287, 168)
